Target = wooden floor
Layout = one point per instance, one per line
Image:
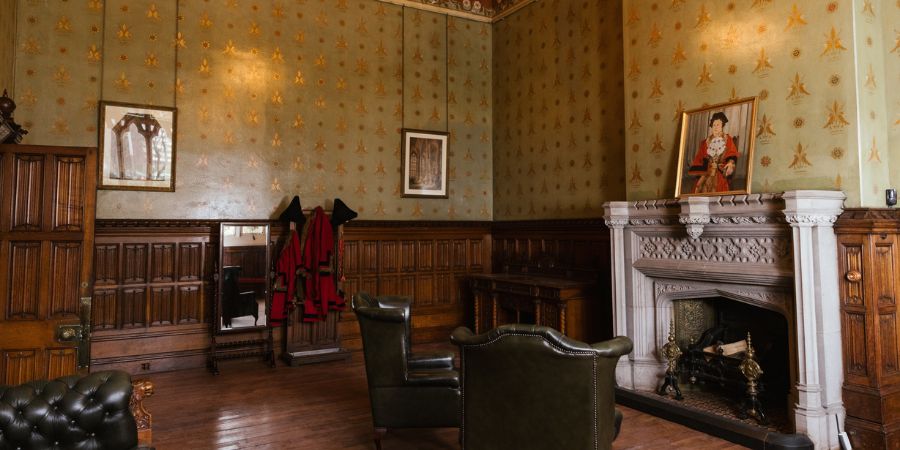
(323, 407)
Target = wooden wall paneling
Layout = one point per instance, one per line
(69, 189)
(868, 258)
(20, 364)
(59, 360)
(151, 293)
(25, 272)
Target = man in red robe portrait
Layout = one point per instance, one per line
(715, 161)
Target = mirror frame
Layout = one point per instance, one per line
(220, 273)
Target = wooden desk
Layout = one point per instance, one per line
(563, 304)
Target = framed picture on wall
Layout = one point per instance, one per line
(424, 164)
(715, 156)
(137, 147)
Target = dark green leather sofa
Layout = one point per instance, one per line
(74, 412)
(406, 390)
(528, 387)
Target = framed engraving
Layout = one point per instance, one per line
(424, 164)
(137, 147)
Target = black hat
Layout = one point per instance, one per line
(341, 213)
(718, 116)
(293, 213)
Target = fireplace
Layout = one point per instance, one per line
(775, 252)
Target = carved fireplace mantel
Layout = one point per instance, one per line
(775, 251)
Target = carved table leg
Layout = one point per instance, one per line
(140, 391)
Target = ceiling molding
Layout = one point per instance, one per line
(493, 11)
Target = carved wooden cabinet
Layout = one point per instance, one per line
(869, 257)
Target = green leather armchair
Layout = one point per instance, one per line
(405, 390)
(530, 387)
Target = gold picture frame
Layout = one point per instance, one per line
(137, 147)
(715, 152)
(425, 164)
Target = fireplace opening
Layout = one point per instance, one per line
(712, 334)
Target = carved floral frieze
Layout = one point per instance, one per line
(752, 250)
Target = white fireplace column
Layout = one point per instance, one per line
(811, 215)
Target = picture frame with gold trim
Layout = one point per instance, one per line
(715, 152)
(137, 147)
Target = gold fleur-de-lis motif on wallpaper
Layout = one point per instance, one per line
(836, 119)
(61, 76)
(655, 35)
(275, 186)
(636, 177)
(253, 30)
(870, 78)
(63, 25)
(731, 37)
(31, 46)
(202, 160)
(874, 154)
(151, 61)
(868, 9)
(252, 161)
(153, 12)
(633, 16)
(677, 4)
(276, 140)
(95, 5)
(93, 54)
(205, 21)
(180, 41)
(656, 89)
(703, 17)
(795, 18)
(800, 160)
(762, 63)
(124, 33)
(204, 68)
(705, 77)
(833, 43)
(760, 3)
(635, 123)
(798, 88)
(658, 145)
(765, 129)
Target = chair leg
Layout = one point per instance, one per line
(379, 433)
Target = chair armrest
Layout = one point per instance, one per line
(431, 360)
(462, 336)
(615, 347)
(433, 377)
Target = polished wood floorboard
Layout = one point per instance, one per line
(323, 407)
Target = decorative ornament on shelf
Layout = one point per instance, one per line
(10, 131)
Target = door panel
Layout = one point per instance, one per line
(47, 206)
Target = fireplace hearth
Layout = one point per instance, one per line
(775, 253)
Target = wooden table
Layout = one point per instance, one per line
(564, 304)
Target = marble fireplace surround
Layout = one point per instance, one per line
(774, 251)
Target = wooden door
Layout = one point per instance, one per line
(47, 206)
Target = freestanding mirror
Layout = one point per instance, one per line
(242, 303)
(243, 276)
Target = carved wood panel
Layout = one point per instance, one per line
(20, 365)
(24, 280)
(59, 361)
(70, 194)
(106, 264)
(854, 337)
(65, 264)
(162, 305)
(851, 259)
(162, 262)
(28, 173)
(189, 305)
(134, 263)
(883, 273)
(104, 310)
(887, 330)
(134, 307)
(190, 260)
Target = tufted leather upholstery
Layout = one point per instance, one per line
(530, 387)
(405, 390)
(73, 412)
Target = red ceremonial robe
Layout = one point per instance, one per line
(286, 275)
(321, 294)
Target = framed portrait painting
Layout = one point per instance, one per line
(137, 147)
(424, 164)
(715, 155)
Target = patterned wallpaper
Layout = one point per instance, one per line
(797, 56)
(559, 110)
(891, 52)
(274, 99)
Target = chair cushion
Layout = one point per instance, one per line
(433, 377)
(427, 360)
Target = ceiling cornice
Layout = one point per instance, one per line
(488, 11)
